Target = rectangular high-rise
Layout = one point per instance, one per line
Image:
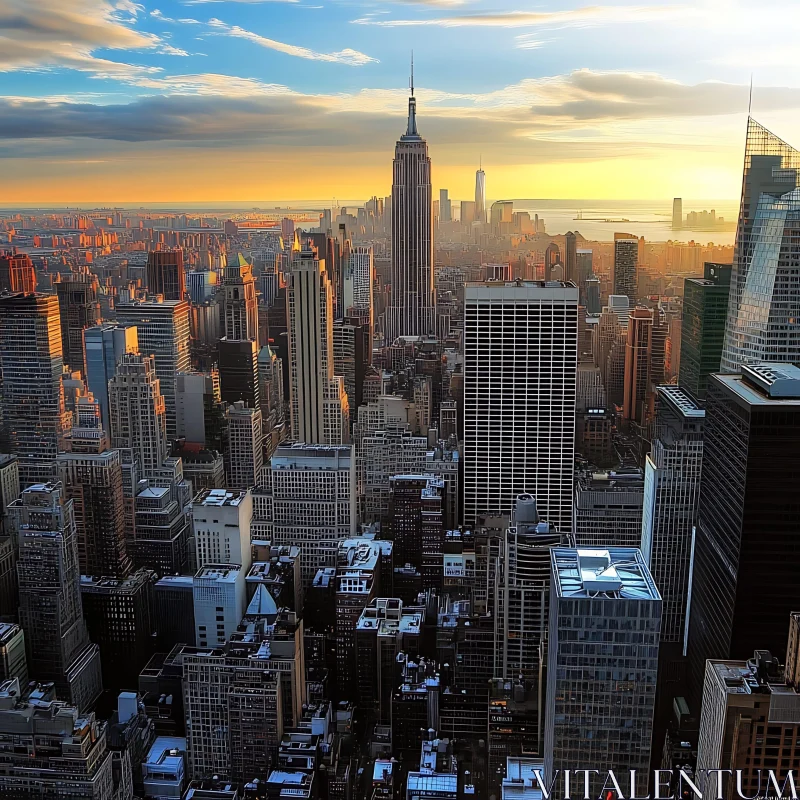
(163, 330)
(165, 275)
(50, 610)
(638, 353)
(745, 561)
(705, 310)
(626, 257)
(671, 494)
(17, 273)
(520, 382)
(79, 309)
(104, 346)
(313, 502)
(318, 401)
(605, 619)
(34, 417)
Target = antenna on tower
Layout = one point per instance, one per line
(412, 73)
(750, 101)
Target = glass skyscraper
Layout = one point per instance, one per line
(705, 310)
(764, 308)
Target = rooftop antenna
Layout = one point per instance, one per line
(750, 101)
(412, 73)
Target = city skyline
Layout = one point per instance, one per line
(117, 101)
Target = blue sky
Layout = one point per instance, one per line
(241, 99)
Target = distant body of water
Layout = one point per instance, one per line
(651, 219)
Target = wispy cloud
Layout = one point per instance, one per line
(353, 58)
(249, 2)
(578, 17)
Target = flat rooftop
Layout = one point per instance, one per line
(681, 401)
(218, 498)
(609, 573)
(764, 385)
(224, 573)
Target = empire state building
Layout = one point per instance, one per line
(413, 309)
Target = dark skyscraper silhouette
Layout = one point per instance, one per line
(165, 274)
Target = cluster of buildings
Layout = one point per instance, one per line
(303, 513)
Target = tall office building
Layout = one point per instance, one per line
(480, 195)
(104, 345)
(239, 303)
(745, 562)
(520, 375)
(764, 307)
(677, 214)
(13, 663)
(92, 478)
(705, 311)
(313, 499)
(238, 371)
(50, 609)
(349, 342)
(445, 207)
(163, 330)
(137, 413)
(198, 400)
(413, 304)
(626, 257)
(601, 697)
(244, 455)
(571, 258)
(219, 594)
(221, 527)
(521, 592)
(17, 273)
(34, 417)
(608, 508)
(273, 407)
(671, 494)
(79, 310)
(592, 300)
(638, 354)
(165, 275)
(319, 404)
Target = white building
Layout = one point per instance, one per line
(219, 593)
(520, 373)
(313, 502)
(221, 524)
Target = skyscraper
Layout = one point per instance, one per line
(50, 609)
(597, 596)
(764, 307)
(244, 455)
(319, 403)
(705, 311)
(626, 256)
(165, 275)
(520, 376)
(31, 362)
(238, 371)
(163, 330)
(445, 209)
(638, 351)
(104, 345)
(78, 310)
(571, 258)
(239, 303)
(313, 501)
(136, 410)
(413, 306)
(671, 494)
(745, 561)
(677, 214)
(480, 195)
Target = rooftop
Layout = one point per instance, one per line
(764, 384)
(681, 401)
(223, 573)
(613, 573)
(218, 497)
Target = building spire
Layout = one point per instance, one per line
(411, 130)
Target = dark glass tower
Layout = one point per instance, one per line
(745, 564)
(412, 309)
(705, 308)
(165, 275)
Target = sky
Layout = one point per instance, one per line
(105, 101)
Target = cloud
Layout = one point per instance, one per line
(584, 109)
(579, 17)
(347, 56)
(250, 2)
(64, 33)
